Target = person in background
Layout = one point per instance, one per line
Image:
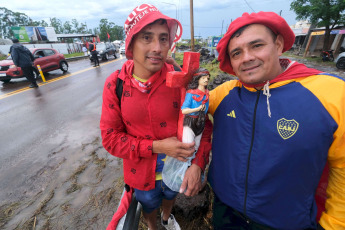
(23, 58)
(141, 126)
(84, 49)
(94, 53)
(275, 128)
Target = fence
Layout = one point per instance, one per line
(64, 48)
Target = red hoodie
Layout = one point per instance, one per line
(128, 132)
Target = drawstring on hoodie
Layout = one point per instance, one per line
(266, 91)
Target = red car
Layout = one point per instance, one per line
(48, 59)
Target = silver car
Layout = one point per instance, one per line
(123, 49)
(340, 61)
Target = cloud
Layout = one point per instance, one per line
(209, 15)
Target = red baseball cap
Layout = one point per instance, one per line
(143, 15)
(270, 19)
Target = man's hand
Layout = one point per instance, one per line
(173, 147)
(172, 61)
(191, 181)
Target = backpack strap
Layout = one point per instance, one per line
(119, 88)
(119, 85)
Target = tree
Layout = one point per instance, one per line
(67, 27)
(322, 13)
(57, 24)
(115, 32)
(9, 18)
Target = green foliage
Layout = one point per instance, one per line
(321, 13)
(325, 13)
(213, 67)
(73, 55)
(9, 18)
(115, 32)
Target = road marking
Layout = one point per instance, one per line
(55, 79)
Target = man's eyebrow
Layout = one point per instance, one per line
(151, 33)
(250, 43)
(256, 41)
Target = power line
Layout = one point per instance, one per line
(250, 6)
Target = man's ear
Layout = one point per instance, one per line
(280, 44)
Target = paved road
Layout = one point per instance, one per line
(51, 153)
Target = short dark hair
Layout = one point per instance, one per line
(15, 40)
(240, 30)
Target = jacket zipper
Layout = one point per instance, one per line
(250, 152)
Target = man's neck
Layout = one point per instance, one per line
(145, 75)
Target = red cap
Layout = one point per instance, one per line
(270, 19)
(143, 15)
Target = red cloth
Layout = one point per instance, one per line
(128, 132)
(108, 35)
(121, 210)
(146, 87)
(201, 95)
(270, 19)
(143, 15)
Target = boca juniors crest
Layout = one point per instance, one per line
(287, 128)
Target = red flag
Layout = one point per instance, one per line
(93, 40)
(98, 40)
(108, 36)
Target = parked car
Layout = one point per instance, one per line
(340, 61)
(48, 59)
(105, 50)
(123, 49)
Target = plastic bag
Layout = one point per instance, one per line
(174, 171)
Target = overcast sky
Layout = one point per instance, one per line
(211, 17)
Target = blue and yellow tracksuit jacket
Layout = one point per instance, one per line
(268, 168)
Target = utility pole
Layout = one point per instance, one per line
(221, 33)
(191, 26)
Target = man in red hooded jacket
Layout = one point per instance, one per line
(275, 128)
(141, 128)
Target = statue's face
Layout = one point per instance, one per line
(203, 81)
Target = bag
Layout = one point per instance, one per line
(174, 171)
(200, 121)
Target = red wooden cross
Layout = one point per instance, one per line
(181, 79)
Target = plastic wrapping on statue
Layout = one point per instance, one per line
(194, 108)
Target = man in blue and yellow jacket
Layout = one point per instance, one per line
(274, 131)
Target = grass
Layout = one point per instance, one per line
(212, 67)
(2, 57)
(314, 60)
(74, 55)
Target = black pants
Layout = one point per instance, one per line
(29, 74)
(225, 217)
(95, 59)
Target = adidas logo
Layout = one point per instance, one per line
(232, 114)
